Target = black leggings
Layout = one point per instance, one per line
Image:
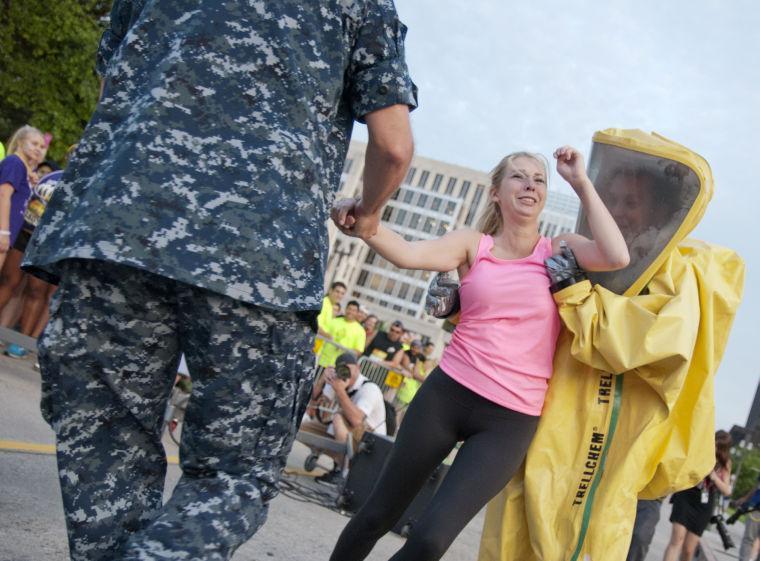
(442, 413)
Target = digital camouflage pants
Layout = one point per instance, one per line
(109, 357)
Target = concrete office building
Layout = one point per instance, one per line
(434, 198)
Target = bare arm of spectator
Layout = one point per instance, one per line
(722, 480)
(418, 372)
(319, 385)
(6, 191)
(316, 395)
(397, 362)
(406, 364)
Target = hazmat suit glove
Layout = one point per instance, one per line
(442, 298)
(563, 269)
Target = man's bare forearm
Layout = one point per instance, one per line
(389, 152)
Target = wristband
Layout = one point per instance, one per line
(5, 233)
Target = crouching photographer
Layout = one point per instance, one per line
(345, 404)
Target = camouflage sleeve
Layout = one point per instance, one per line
(123, 15)
(377, 75)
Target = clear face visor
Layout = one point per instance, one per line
(648, 196)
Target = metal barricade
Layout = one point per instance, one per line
(388, 379)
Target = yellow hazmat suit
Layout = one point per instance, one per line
(630, 411)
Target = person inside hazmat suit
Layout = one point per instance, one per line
(630, 402)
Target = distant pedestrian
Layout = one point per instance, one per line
(693, 508)
(193, 219)
(26, 149)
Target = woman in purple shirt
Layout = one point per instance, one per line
(26, 149)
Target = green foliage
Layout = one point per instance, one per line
(746, 465)
(47, 65)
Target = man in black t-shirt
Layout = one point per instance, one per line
(385, 346)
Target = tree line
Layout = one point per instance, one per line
(47, 67)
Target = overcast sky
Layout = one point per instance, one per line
(497, 76)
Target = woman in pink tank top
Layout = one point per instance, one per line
(489, 388)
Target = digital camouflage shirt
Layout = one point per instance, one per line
(217, 147)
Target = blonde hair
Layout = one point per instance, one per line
(491, 222)
(20, 135)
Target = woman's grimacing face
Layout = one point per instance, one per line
(522, 191)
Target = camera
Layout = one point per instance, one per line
(342, 372)
(728, 543)
(742, 509)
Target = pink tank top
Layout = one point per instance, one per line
(503, 346)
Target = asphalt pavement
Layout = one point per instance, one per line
(299, 528)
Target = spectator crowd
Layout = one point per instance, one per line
(396, 348)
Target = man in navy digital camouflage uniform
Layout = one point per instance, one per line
(193, 219)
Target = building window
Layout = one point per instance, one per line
(390, 284)
(410, 175)
(370, 257)
(383, 303)
(397, 308)
(411, 312)
(362, 281)
(395, 194)
(400, 216)
(436, 203)
(450, 185)
(347, 165)
(415, 221)
(387, 213)
(450, 206)
(403, 290)
(540, 226)
(423, 178)
(442, 227)
(464, 190)
(474, 205)
(422, 201)
(551, 231)
(374, 281)
(408, 194)
(437, 182)
(428, 227)
(417, 297)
